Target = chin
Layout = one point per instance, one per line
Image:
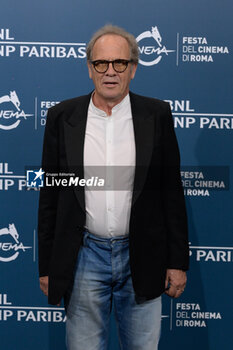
(112, 97)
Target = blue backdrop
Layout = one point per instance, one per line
(186, 59)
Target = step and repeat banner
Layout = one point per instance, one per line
(186, 53)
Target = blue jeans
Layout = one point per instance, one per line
(103, 277)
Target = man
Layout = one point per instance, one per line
(124, 246)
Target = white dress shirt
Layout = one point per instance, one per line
(109, 153)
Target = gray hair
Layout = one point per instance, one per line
(110, 29)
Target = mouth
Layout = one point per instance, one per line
(110, 83)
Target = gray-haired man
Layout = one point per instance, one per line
(122, 248)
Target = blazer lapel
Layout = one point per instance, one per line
(74, 130)
(143, 122)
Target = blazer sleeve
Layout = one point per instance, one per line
(173, 198)
(48, 195)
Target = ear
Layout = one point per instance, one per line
(133, 70)
(89, 66)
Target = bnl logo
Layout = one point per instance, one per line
(35, 178)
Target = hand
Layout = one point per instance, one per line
(44, 284)
(175, 282)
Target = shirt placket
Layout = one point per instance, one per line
(110, 174)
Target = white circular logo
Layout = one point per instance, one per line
(11, 111)
(156, 51)
(10, 245)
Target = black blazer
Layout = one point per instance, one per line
(158, 225)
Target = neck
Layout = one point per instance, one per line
(105, 105)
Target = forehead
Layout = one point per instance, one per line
(111, 46)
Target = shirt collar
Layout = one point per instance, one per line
(120, 107)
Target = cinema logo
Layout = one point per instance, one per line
(11, 114)
(9, 312)
(203, 180)
(198, 49)
(47, 50)
(8, 180)
(211, 254)
(151, 48)
(10, 246)
(192, 315)
(186, 117)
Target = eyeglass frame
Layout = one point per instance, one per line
(112, 61)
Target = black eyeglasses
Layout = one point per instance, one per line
(101, 66)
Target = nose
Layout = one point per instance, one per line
(110, 70)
